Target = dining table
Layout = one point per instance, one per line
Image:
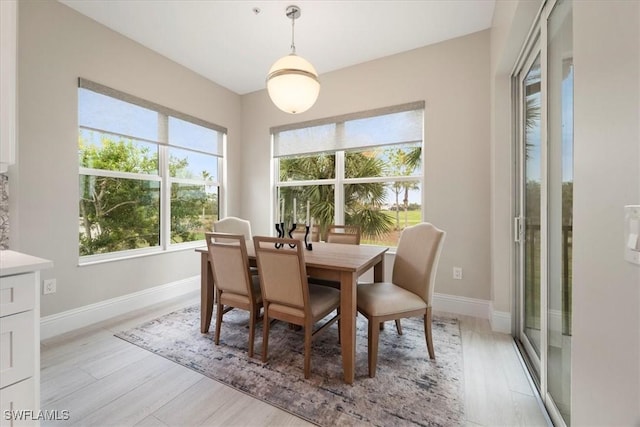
(330, 261)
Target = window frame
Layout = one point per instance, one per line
(162, 176)
(339, 181)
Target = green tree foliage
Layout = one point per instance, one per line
(118, 213)
(403, 162)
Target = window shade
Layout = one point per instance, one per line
(110, 110)
(394, 125)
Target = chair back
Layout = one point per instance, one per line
(346, 234)
(229, 263)
(234, 225)
(314, 233)
(417, 259)
(283, 275)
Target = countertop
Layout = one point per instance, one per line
(12, 262)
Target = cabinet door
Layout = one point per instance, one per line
(18, 401)
(16, 348)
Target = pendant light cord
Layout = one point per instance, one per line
(293, 43)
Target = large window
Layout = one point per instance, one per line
(149, 176)
(363, 169)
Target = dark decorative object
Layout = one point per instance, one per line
(308, 246)
(280, 230)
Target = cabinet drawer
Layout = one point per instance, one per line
(16, 348)
(18, 398)
(17, 293)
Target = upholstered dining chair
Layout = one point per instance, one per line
(287, 296)
(347, 234)
(410, 292)
(234, 225)
(314, 233)
(236, 287)
(343, 234)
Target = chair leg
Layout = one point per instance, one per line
(398, 326)
(427, 333)
(265, 334)
(374, 331)
(339, 337)
(252, 330)
(219, 310)
(307, 351)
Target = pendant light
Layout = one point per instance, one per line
(292, 82)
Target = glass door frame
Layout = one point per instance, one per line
(533, 52)
(536, 45)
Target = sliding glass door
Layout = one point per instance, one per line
(544, 99)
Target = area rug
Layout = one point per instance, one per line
(409, 388)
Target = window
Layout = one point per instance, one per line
(360, 169)
(149, 176)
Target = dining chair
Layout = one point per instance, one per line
(234, 225)
(314, 233)
(288, 297)
(410, 292)
(347, 234)
(236, 287)
(343, 234)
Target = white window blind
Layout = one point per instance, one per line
(132, 117)
(401, 124)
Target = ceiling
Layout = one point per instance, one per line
(232, 45)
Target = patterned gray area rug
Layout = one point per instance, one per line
(409, 388)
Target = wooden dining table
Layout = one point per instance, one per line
(330, 261)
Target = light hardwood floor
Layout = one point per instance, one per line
(102, 380)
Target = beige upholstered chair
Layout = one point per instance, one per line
(286, 294)
(410, 292)
(347, 234)
(235, 286)
(298, 233)
(234, 225)
(343, 234)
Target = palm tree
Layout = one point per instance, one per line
(363, 201)
(403, 162)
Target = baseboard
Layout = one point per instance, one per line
(462, 305)
(66, 321)
(500, 321)
(76, 318)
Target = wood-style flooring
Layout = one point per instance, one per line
(102, 380)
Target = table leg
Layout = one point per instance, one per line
(378, 270)
(378, 276)
(206, 293)
(348, 282)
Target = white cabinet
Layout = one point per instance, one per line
(8, 60)
(20, 334)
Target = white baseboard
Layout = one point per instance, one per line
(500, 321)
(66, 321)
(462, 305)
(76, 318)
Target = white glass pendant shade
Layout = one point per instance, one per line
(293, 84)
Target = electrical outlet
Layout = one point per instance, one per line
(457, 273)
(49, 286)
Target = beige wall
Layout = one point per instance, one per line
(606, 288)
(453, 79)
(56, 46)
